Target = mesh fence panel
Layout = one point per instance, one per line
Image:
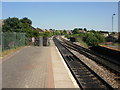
(0, 42)
(11, 40)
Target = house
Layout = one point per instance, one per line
(40, 30)
(116, 35)
(105, 33)
(69, 31)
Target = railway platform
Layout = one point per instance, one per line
(37, 67)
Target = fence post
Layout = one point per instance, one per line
(2, 43)
(14, 39)
(24, 39)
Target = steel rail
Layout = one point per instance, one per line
(113, 67)
(85, 77)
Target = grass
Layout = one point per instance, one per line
(114, 44)
(8, 52)
(81, 42)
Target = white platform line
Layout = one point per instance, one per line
(69, 73)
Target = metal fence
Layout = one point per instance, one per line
(10, 40)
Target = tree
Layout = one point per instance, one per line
(47, 34)
(26, 21)
(20, 25)
(85, 29)
(91, 40)
(35, 33)
(12, 25)
(80, 28)
(57, 32)
(76, 31)
(93, 31)
(100, 37)
(64, 32)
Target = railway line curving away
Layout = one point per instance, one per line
(85, 77)
(112, 65)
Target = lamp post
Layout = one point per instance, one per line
(112, 22)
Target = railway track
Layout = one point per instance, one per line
(85, 77)
(113, 66)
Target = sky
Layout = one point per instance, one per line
(60, 0)
(65, 15)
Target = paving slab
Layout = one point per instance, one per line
(36, 67)
(27, 69)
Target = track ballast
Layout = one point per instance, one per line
(85, 77)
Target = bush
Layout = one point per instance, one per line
(91, 40)
(68, 36)
(47, 34)
(100, 37)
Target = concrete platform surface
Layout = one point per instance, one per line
(62, 76)
(37, 67)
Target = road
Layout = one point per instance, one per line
(27, 69)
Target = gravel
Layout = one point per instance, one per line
(104, 73)
(100, 70)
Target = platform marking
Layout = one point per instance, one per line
(69, 73)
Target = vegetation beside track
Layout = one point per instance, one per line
(88, 38)
(85, 37)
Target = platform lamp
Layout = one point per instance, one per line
(112, 22)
